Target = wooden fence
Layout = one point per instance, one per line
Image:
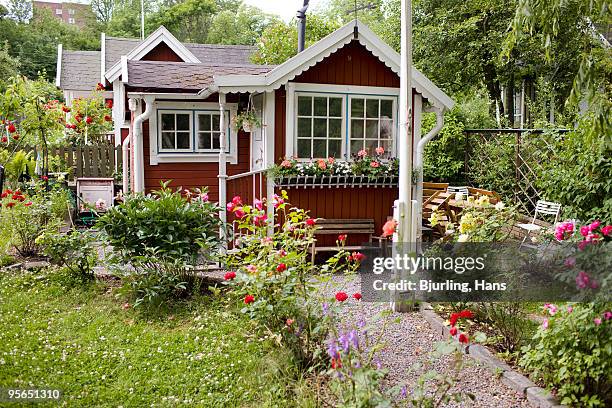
(84, 161)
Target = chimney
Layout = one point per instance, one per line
(301, 22)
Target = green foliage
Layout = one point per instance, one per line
(573, 354)
(89, 121)
(510, 322)
(16, 165)
(9, 66)
(25, 217)
(444, 155)
(175, 226)
(579, 175)
(156, 280)
(74, 250)
(278, 42)
(189, 20)
(242, 26)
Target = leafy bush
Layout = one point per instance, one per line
(25, 217)
(156, 280)
(572, 353)
(74, 251)
(445, 154)
(512, 325)
(580, 175)
(176, 226)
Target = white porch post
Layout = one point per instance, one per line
(268, 129)
(404, 206)
(222, 171)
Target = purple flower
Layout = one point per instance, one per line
(344, 342)
(404, 392)
(325, 309)
(353, 338)
(378, 364)
(332, 349)
(361, 323)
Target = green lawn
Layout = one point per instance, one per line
(84, 343)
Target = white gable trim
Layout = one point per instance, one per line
(157, 37)
(58, 66)
(293, 67)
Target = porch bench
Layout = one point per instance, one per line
(331, 226)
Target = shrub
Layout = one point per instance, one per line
(445, 154)
(156, 280)
(512, 325)
(572, 352)
(26, 217)
(176, 226)
(74, 251)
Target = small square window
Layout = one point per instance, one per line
(71, 21)
(58, 12)
(71, 12)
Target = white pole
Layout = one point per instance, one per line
(142, 31)
(222, 169)
(404, 206)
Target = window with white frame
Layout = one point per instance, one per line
(175, 131)
(58, 11)
(208, 131)
(371, 123)
(71, 12)
(71, 21)
(319, 125)
(190, 131)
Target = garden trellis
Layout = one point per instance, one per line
(509, 161)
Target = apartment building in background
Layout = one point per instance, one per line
(70, 13)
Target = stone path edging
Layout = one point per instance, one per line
(538, 396)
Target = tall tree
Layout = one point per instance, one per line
(188, 20)
(19, 10)
(242, 26)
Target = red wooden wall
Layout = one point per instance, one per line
(162, 53)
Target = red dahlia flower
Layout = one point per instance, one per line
(229, 275)
(281, 267)
(336, 363)
(11, 204)
(29, 203)
(11, 128)
(463, 338)
(88, 120)
(4, 139)
(357, 296)
(107, 118)
(453, 331)
(358, 256)
(342, 237)
(467, 314)
(341, 296)
(311, 222)
(100, 87)
(249, 299)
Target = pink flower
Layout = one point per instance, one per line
(594, 225)
(204, 197)
(230, 206)
(342, 237)
(607, 230)
(362, 153)
(286, 164)
(260, 220)
(258, 204)
(389, 228)
(597, 321)
(268, 241)
(583, 280)
(331, 160)
(564, 230)
(583, 244)
(545, 324)
(125, 306)
(282, 253)
(570, 309)
(278, 201)
(239, 212)
(358, 256)
(380, 150)
(321, 164)
(584, 230)
(375, 164)
(251, 268)
(570, 262)
(607, 315)
(552, 309)
(237, 200)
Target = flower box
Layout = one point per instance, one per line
(335, 181)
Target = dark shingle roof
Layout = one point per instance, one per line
(80, 70)
(206, 53)
(180, 75)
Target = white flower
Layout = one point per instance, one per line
(500, 206)
(463, 238)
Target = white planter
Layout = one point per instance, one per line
(246, 126)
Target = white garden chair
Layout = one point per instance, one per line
(463, 190)
(545, 208)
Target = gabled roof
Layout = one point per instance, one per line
(134, 50)
(314, 54)
(80, 70)
(183, 76)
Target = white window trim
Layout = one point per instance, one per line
(175, 112)
(58, 12)
(292, 88)
(342, 126)
(196, 130)
(393, 118)
(155, 157)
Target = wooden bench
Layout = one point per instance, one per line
(343, 226)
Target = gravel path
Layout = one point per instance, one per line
(411, 339)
